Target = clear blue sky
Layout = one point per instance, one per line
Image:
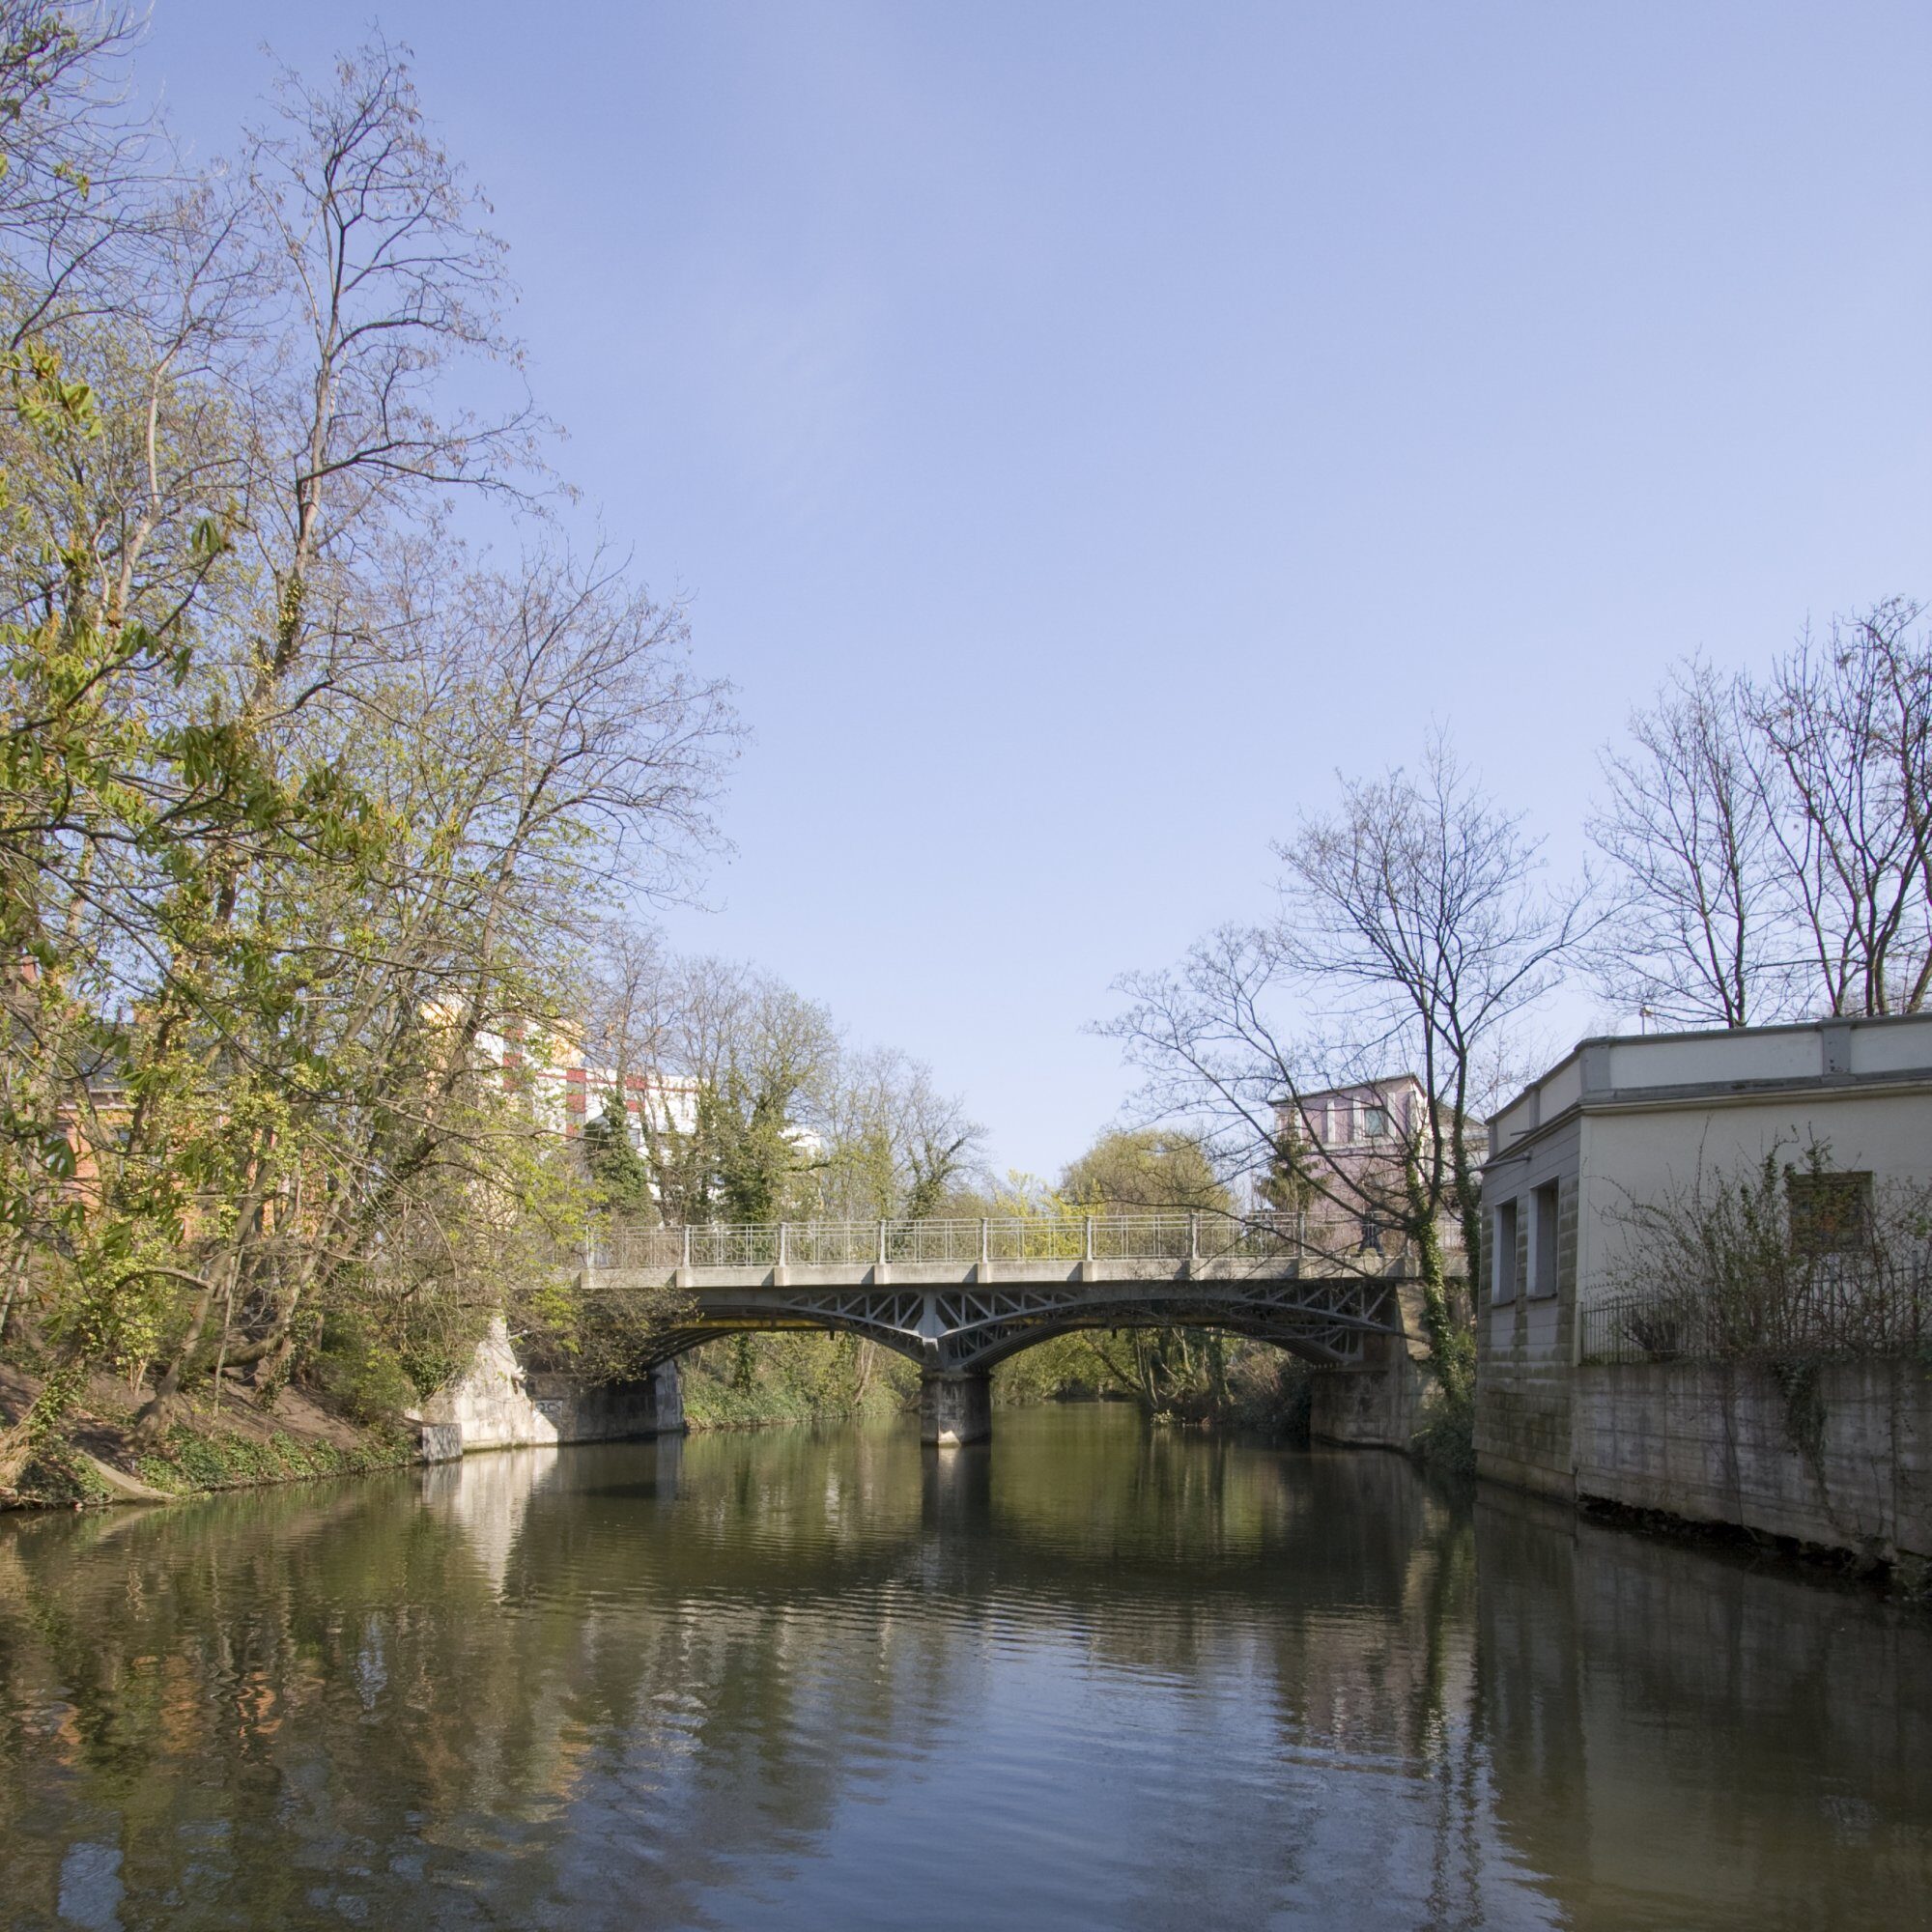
(1081, 429)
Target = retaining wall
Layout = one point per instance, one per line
(1840, 1457)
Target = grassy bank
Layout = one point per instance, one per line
(96, 1458)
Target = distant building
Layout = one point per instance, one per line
(1354, 1145)
(564, 1093)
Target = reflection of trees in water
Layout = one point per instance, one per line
(251, 1695)
(557, 1674)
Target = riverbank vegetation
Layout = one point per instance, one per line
(751, 1382)
(332, 769)
(1195, 1377)
(1171, 1374)
(306, 799)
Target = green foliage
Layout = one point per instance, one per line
(751, 1380)
(1183, 1375)
(57, 1475)
(1450, 1332)
(1150, 1168)
(1065, 1368)
(365, 1377)
(620, 1178)
(1800, 1383)
(756, 1149)
(1287, 1185)
(192, 1459)
(1446, 1442)
(275, 906)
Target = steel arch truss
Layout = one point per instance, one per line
(963, 1329)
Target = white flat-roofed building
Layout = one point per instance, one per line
(1621, 1123)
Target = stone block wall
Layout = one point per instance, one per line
(955, 1409)
(494, 1404)
(1842, 1460)
(1378, 1406)
(1525, 1348)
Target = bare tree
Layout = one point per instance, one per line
(758, 1061)
(626, 1023)
(941, 1147)
(1847, 726)
(1693, 827)
(377, 278)
(894, 1144)
(77, 195)
(1414, 931)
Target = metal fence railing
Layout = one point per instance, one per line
(1846, 1313)
(1170, 1235)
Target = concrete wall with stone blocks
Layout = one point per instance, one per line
(955, 1409)
(1624, 1120)
(1524, 1346)
(1845, 1464)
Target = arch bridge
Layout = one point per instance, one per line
(958, 1295)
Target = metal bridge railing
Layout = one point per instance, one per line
(1169, 1235)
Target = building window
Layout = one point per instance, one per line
(1376, 1123)
(1830, 1213)
(1542, 1212)
(1502, 1260)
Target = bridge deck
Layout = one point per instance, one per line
(959, 1294)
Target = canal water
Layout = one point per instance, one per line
(1090, 1676)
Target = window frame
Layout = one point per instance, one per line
(1504, 1228)
(1545, 1221)
(1814, 1225)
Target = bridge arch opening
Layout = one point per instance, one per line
(956, 1405)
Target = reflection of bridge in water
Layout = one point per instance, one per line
(959, 1295)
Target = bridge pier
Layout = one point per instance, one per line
(955, 1408)
(1376, 1404)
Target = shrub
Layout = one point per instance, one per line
(361, 1375)
(1784, 1259)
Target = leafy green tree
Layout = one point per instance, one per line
(1144, 1168)
(619, 1174)
(298, 805)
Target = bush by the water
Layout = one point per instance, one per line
(746, 1380)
